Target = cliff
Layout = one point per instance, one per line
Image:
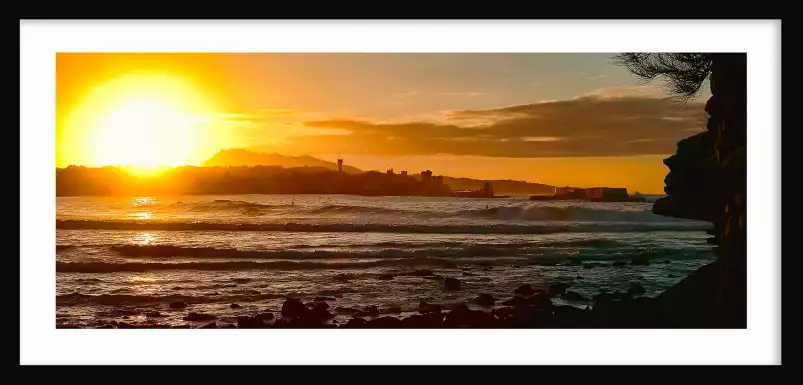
(708, 181)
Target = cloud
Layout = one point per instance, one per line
(599, 124)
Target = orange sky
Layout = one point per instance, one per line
(561, 119)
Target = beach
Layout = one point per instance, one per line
(191, 261)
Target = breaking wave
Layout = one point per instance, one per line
(76, 224)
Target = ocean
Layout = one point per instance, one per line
(126, 259)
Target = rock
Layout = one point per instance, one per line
(323, 305)
(619, 263)
(425, 308)
(372, 310)
(227, 326)
(484, 300)
(346, 310)
(557, 288)
(199, 317)
(666, 261)
(578, 277)
(264, 316)
(124, 325)
(294, 308)
(320, 312)
(428, 320)
(636, 289)
(462, 316)
(504, 312)
(322, 299)
(178, 305)
(540, 301)
(211, 325)
(154, 314)
(246, 322)
(354, 323)
(392, 310)
(126, 317)
(385, 322)
(524, 290)
(235, 306)
(516, 301)
(451, 283)
(421, 273)
(571, 296)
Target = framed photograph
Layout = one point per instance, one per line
(436, 182)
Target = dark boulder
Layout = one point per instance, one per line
(178, 305)
(211, 325)
(392, 310)
(428, 320)
(462, 316)
(571, 296)
(557, 288)
(504, 312)
(322, 299)
(199, 317)
(524, 290)
(422, 273)
(451, 283)
(484, 300)
(425, 308)
(320, 312)
(264, 316)
(636, 289)
(666, 261)
(235, 306)
(516, 301)
(154, 314)
(385, 322)
(386, 277)
(294, 308)
(540, 300)
(246, 322)
(354, 323)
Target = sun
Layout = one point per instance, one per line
(144, 120)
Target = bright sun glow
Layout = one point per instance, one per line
(145, 120)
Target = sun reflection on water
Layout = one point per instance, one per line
(142, 201)
(142, 215)
(144, 238)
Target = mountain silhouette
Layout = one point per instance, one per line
(239, 157)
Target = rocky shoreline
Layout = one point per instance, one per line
(682, 306)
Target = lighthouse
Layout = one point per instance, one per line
(339, 164)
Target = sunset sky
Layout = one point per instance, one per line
(560, 119)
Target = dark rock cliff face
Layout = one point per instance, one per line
(708, 181)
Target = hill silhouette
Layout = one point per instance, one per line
(240, 157)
